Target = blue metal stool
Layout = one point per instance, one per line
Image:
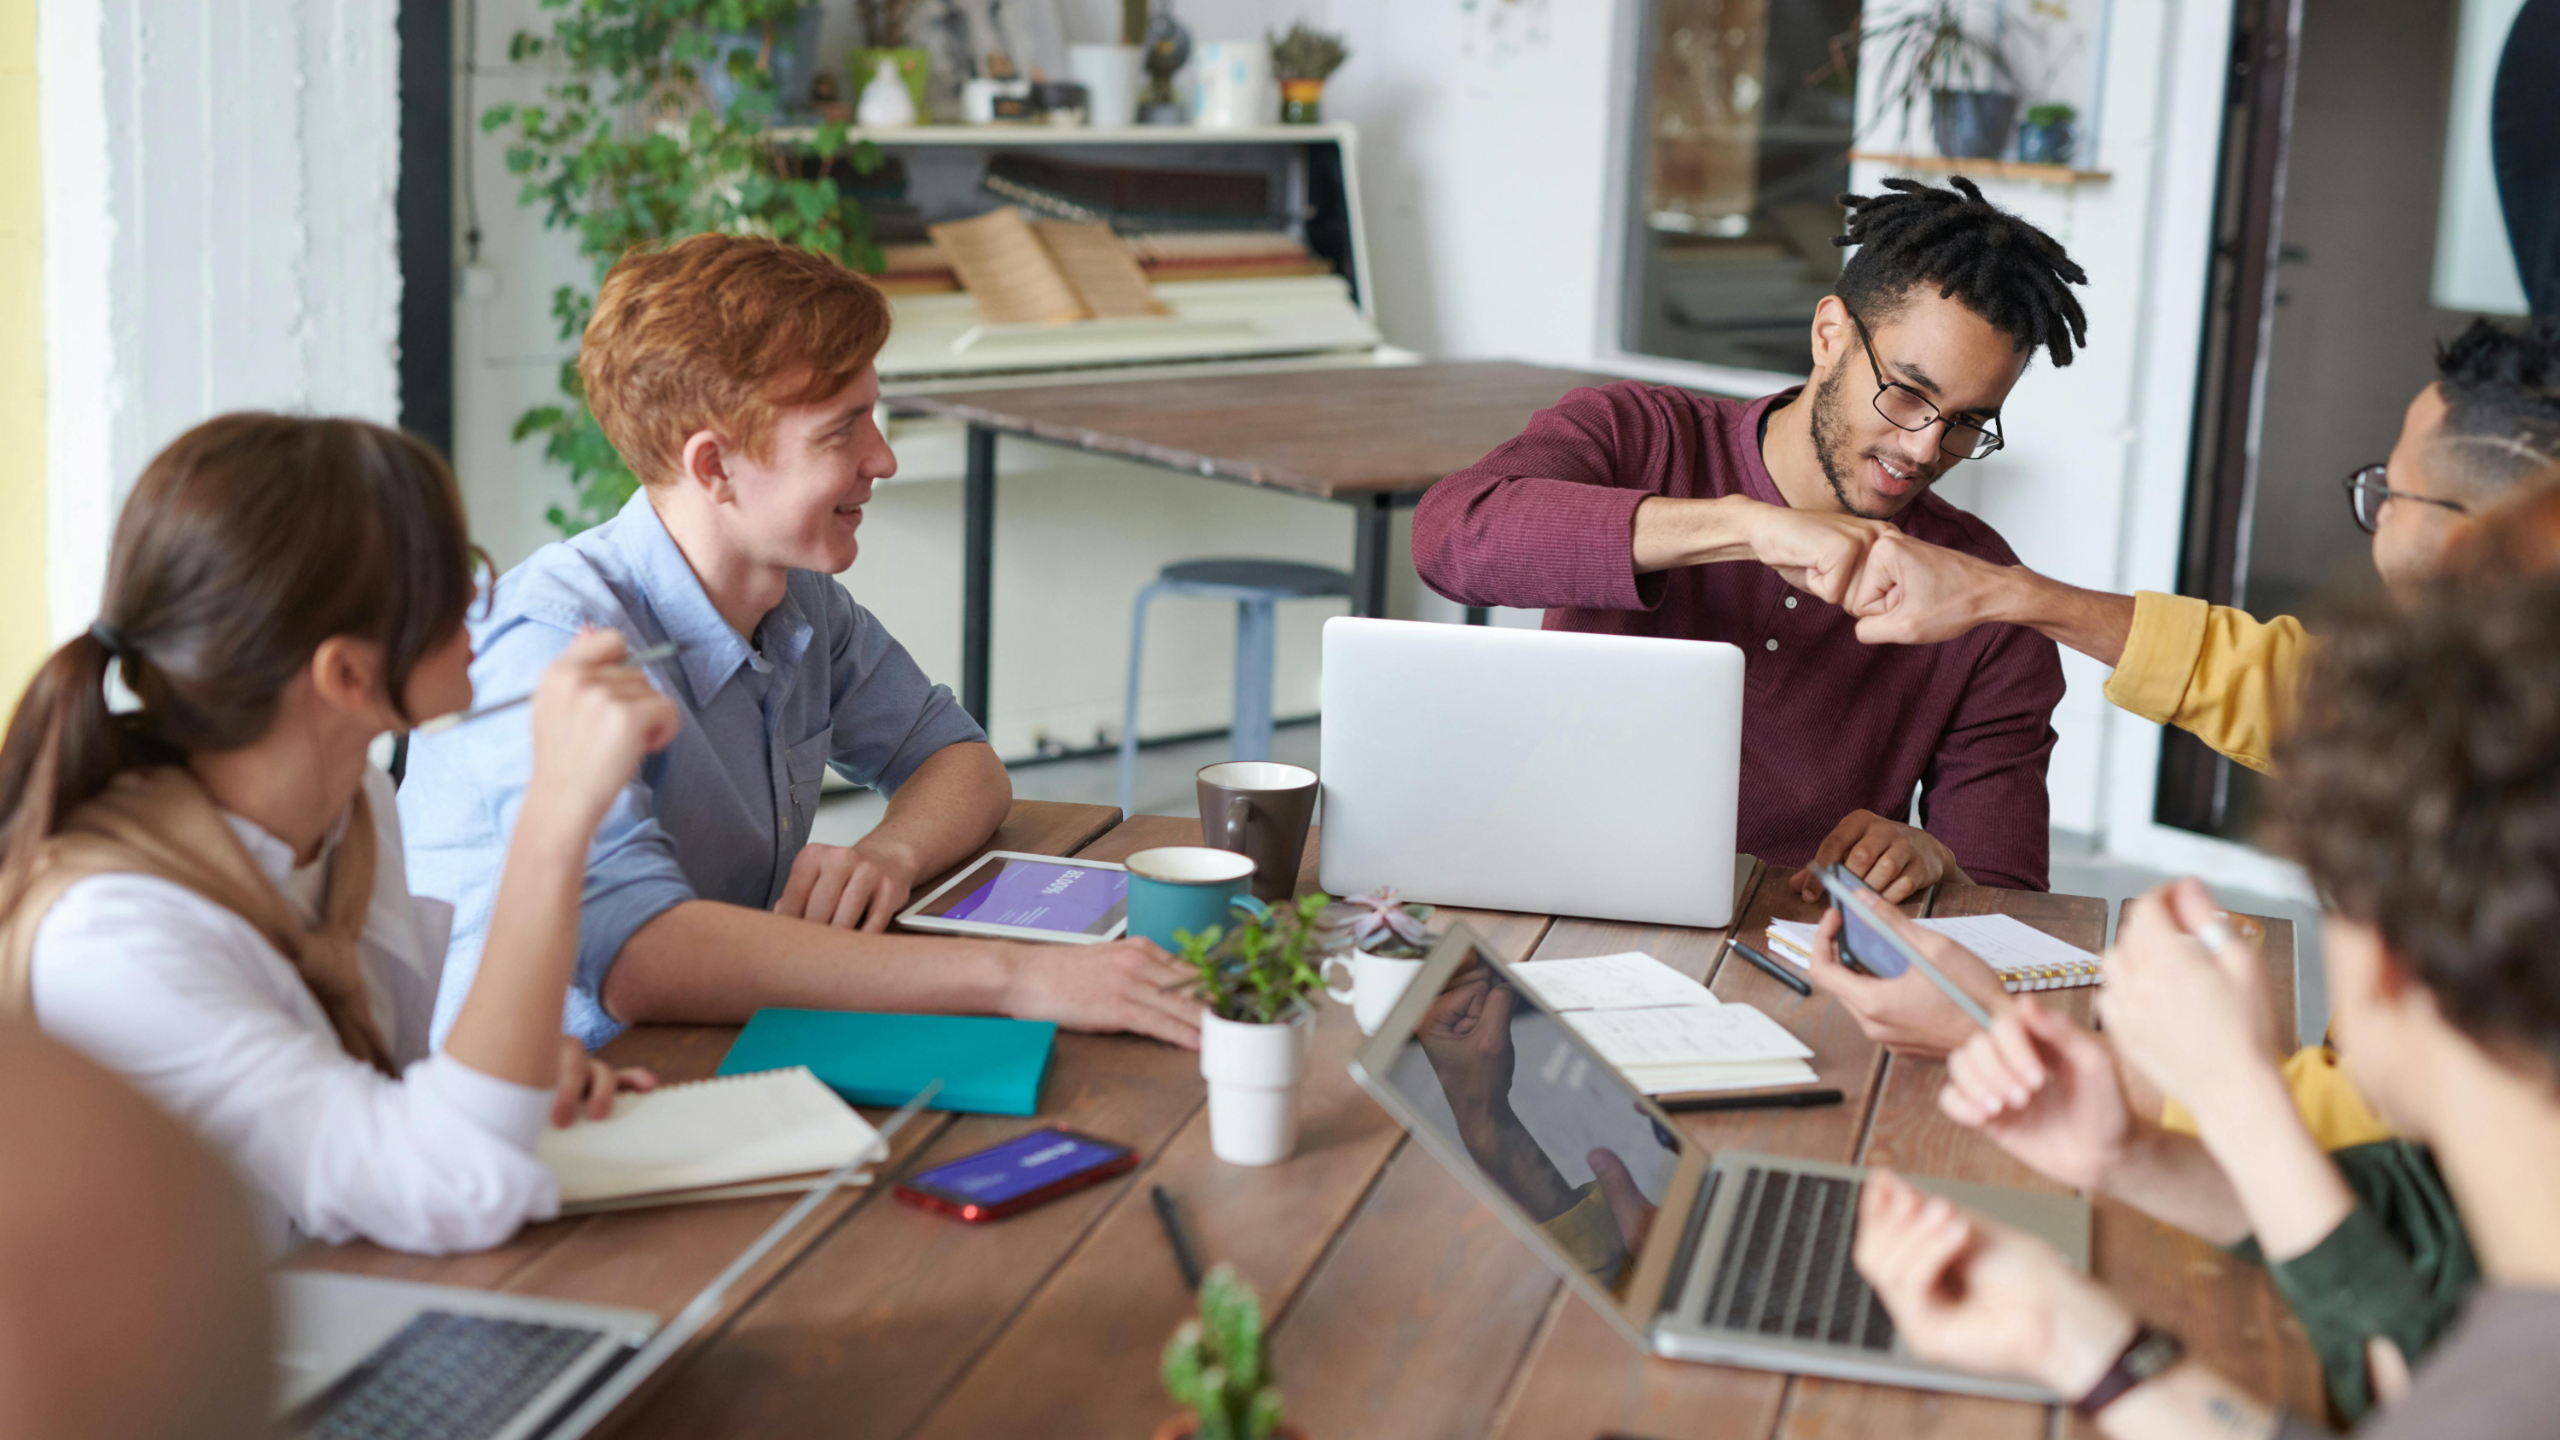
(1256, 586)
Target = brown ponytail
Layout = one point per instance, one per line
(247, 542)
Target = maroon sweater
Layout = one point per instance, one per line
(1828, 725)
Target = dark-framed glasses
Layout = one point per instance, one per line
(1907, 409)
(2369, 489)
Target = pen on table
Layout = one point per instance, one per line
(1777, 972)
(1771, 1100)
(1183, 1255)
(442, 723)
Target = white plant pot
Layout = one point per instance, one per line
(1253, 1073)
(1109, 74)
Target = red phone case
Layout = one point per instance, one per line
(974, 1213)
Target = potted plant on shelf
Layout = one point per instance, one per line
(1303, 60)
(1252, 982)
(1379, 941)
(2045, 137)
(1217, 1369)
(885, 55)
(1929, 53)
(1109, 73)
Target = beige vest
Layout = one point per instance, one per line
(160, 822)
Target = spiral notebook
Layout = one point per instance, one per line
(766, 1133)
(2026, 957)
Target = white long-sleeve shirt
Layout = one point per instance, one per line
(189, 1002)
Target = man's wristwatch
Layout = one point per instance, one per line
(2147, 1354)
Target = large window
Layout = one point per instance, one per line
(1741, 150)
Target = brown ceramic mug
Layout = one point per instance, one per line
(1260, 810)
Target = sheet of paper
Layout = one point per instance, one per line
(1005, 268)
(1686, 1035)
(2006, 942)
(1101, 266)
(1631, 981)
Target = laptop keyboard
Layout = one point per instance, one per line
(446, 1377)
(1785, 1270)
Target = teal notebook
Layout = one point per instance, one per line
(987, 1066)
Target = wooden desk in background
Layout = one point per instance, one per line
(1400, 1306)
(1373, 439)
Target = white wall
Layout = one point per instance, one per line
(219, 234)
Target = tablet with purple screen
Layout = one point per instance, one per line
(1028, 897)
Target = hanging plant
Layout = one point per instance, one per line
(625, 152)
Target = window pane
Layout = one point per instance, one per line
(1741, 153)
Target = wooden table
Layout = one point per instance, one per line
(1373, 438)
(1400, 1307)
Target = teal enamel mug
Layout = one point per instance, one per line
(1185, 887)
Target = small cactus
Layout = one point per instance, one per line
(1215, 1367)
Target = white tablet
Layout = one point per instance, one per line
(1029, 897)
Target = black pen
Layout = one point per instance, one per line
(1183, 1254)
(1777, 972)
(1766, 1100)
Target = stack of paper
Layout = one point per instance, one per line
(2027, 958)
(710, 1140)
(1664, 1031)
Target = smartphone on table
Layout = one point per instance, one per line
(1007, 1179)
(1869, 948)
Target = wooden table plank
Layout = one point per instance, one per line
(1325, 433)
(1910, 1134)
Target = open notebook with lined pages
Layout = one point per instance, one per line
(2025, 957)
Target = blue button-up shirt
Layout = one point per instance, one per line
(721, 813)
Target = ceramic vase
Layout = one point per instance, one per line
(1253, 1073)
(907, 64)
(1110, 75)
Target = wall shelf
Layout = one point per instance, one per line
(2002, 169)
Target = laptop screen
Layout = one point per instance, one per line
(1501, 1082)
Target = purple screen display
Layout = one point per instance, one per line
(1069, 899)
(1018, 1167)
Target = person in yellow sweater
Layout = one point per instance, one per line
(2490, 420)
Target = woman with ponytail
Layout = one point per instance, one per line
(207, 892)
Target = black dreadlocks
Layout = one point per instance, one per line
(2005, 270)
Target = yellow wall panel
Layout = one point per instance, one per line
(24, 630)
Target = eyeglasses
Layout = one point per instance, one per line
(1907, 409)
(2368, 491)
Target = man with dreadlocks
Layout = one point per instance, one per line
(1619, 509)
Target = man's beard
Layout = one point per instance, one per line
(1831, 445)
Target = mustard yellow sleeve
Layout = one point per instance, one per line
(2212, 671)
(2331, 1109)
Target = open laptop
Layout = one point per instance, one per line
(365, 1359)
(1535, 770)
(1730, 1257)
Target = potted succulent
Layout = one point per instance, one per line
(2045, 137)
(1303, 60)
(884, 54)
(1109, 73)
(1252, 982)
(1217, 1369)
(1930, 53)
(1379, 941)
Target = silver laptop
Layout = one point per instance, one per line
(1532, 770)
(1731, 1257)
(365, 1359)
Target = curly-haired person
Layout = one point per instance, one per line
(2421, 789)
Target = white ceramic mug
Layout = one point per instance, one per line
(1374, 984)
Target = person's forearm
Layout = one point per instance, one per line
(2291, 1190)
(709, 963)
(1504, 1146)
(1671, 532)
(2172, 1179)
(2188, 1403)
(2092, 622)
(509, 1025)
(944, 812)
